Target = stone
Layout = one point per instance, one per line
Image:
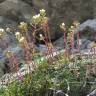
(16, 10)
(17, 50)
(59, 43)
(88, 30)
(85, 44)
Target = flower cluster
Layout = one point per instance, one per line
(76, 24)
(18, 35)
(23, 26)
(73, 28)
(8, 54)
(2, 32)
(39, 18)
(22, 39)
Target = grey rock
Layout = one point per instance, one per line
(16, 50)
(16, 10)
(4, 65)
(59, 43)
(4, 22)
(88, 30)
(85, 44)
(91, 23)
(41, 48)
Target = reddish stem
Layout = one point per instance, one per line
(72, 41)
(78, 37)
(47, 38)
(65, 43)
(65, 40)
(17, 67)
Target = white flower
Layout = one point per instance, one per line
(17, 33)
(22, 39)
(72, 27)
(22, 23)
(8, 29)
(1, 30)
(36, 16)
(23, 26)
(66, 95)
(41, 35)
(63, 24)
(42, 11)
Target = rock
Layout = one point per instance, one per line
(4, 22)
(85, 44)
(88, 30)
(4, 63)
(16, 10)
(16, 50)
(59, 43)
(89, 23)
(41, 48)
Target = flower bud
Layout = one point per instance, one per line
(76, 24)
(36, 19)
(22, 39)
(42, 12)
(2, 32)
(18, 35)
(62, 26)
(41, 37)
(23, 26)
(8, 54)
